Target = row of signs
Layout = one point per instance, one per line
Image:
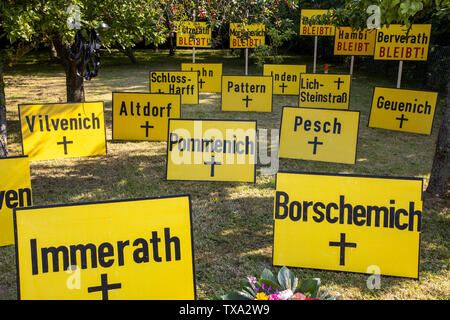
(53, 131)
(395, 42)
(98, 251)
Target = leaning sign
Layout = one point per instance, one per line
(62, 130)
(348, 223)
(247, 35)
(101, 251)
(211, 150)
(286, 77)
(15, 193)
(194, 34)
(143, 116)
(319, 134)
(403, 110)
(247, 93)
(315, 29)
(348, 41)
(397, 42)
(209, 75)
(176, 82)
(329, 91)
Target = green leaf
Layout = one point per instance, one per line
(268, 275)
(270, 283)
(245, 283)
(286, 279)
(310, 286)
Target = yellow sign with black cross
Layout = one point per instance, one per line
(286, 77)
(99, 251)
(247, 35)
(329, 91)
(315, 29)
(354, 42)
(348, 223)
(143, 116)
(194, 34)
(15, 193)
(319, 134)
(247, 93)
(211, 150)
(176, 82)
(397, 42)
(62, 130)
(209, 75)
(403, 110)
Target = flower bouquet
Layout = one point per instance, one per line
(283, 287)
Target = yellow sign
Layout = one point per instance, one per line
(209, 75)
(62, 130)
(403, 110)
(319, 134)
(115, 250)
(176, 82)
(247, 35)
(329, 91)
(211, 150)
(396, 42)
(354, 42)
(247, 93)
(194, 34)
(143, 116)
(15, 193)
(315, 29)
(348, 223)
(286, 77)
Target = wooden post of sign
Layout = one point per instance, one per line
(351, 64)
(193, 48)
(246, 56)
(315, 54)
(246, 61)
(399, 77)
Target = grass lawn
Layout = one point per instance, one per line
(232, 222)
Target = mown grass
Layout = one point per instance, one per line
(232, 222)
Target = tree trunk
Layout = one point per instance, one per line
(171, 45)
(53, 54)
(74, 83)
(3, 137)
(128, 51)
(440, 171)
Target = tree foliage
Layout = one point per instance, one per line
(406, 12)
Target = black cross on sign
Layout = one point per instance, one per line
(146, 126)
(105, 287)
(201, 82)
(212, 163)
(402, 118)
(339, 81)
(315, 143)
(247, 99)
(342, 244)
(282, 86)
(65, 143)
